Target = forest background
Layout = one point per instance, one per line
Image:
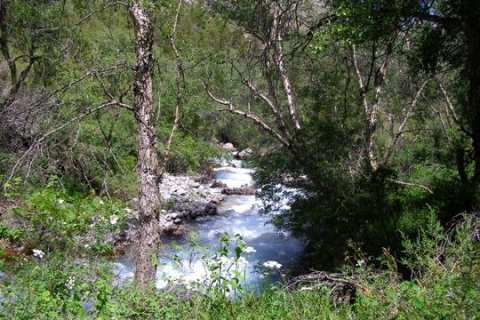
(370, 108)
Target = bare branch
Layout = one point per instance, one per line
(80, 116)
(104, 88)
(254, 118)
(16, 80)
(272, 103)
(402, 126)
(89, 15)
(74, 82)
(411, 185)
(372, 108)
(450, 106)
(180, 82)
(444, 125)
(360, 79)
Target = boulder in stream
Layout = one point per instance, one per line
(195, 209)
(228, 146)
(218, 184)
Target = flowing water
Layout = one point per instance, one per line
(183, 261)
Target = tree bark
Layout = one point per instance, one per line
(471, 12)
(147, 166)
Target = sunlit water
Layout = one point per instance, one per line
(183, 262)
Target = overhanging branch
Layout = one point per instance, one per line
(252, 117)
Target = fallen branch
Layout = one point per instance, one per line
(342, 288)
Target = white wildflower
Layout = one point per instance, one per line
(242, 261)
(360, 263)
(224, 260)
(249, 250)
(113, 219)
(70, 283)
(101, 202)
(38, 253)
(61, 201)
(306, 289)
(272, 265)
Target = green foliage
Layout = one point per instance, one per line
(225, 277)
(54, 220)
(363, 21)
(189, 154)
(343, 207)
(56, 288)
(444, 285)
(11, 234)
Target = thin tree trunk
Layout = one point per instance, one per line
(147, 166)
(278, 26)
(16, 80)
(373, 107)
(180, 87)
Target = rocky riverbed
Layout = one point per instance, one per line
(184, 199)
(197, 224)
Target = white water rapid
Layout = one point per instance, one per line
(183, 262)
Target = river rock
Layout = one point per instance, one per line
(203, 178)
(218, 184)
(193, 210)
(174, 230)
(184, 198)
(228, 146)
(244, 190)
(195, 185)
(181, 192)
(244, 154)
(216, 200)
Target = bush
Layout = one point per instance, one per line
(444, 285)
(55, 221)
(56, 287)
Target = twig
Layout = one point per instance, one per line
(82, 115)
(411, 185)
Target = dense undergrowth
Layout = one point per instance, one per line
(65, 275)
(406, 257)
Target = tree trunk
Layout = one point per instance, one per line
(472, 34)
(147, 166)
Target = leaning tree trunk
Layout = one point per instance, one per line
(147, 166)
